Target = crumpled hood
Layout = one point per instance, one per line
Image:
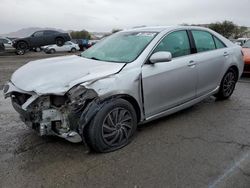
(58, 75)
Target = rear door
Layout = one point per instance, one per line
(211, 57)
(169, 84)
(49, 37)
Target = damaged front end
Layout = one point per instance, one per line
(53, 114)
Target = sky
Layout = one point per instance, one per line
(104, 15)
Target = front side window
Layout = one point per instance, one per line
(122, 47)
(4, 41)
(203, 41)
(177, 43)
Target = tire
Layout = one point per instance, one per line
(52, 51)
(113, 126)
(60, 41)
(38, 49)
(73, 50)
(22, 45)
(227, 85)
(20, 52)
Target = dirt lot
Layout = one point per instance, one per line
(207, 145)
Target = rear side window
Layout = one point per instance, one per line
(49, 32)
(177, 43)
(218, 43)
(204, 41)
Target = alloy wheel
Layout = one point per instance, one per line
(117, 127)
(229, 83)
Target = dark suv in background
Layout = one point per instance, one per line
(40, 38)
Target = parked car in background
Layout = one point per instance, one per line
(246, 52)
(83, 43)
(67, 47)
(2, 47)
(41, 38)
(92, 43)
(130, 77)
(7, 43)
(241, 41)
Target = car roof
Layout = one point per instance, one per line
(46, 30)
(164, 28)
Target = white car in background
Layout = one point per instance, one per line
(241, 41)
(67, 47)
(7, 43)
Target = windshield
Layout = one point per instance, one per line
(247, 44)
(122, 47)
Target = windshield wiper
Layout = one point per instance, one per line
(94, 58)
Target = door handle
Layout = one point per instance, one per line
(226, 54)
(191, 63)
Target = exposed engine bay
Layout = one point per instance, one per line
(52, 114)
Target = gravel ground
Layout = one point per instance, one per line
(207, 145)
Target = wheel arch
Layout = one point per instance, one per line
(128, 98)
(236, 69)
(133, 102)
(98, 103)
(25, 41)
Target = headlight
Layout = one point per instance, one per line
(6, 88)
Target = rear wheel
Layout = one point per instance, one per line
(38, 49)
(73, 50)
(227, 85)
(60, 41)
(113, 126)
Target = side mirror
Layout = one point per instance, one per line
(160, 57)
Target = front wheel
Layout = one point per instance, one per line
(52, 51)
(227, 85)
(113, 126)
(22, 45)
(20, 52)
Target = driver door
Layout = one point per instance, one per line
(169, 84)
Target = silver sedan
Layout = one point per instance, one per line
(129, 78)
